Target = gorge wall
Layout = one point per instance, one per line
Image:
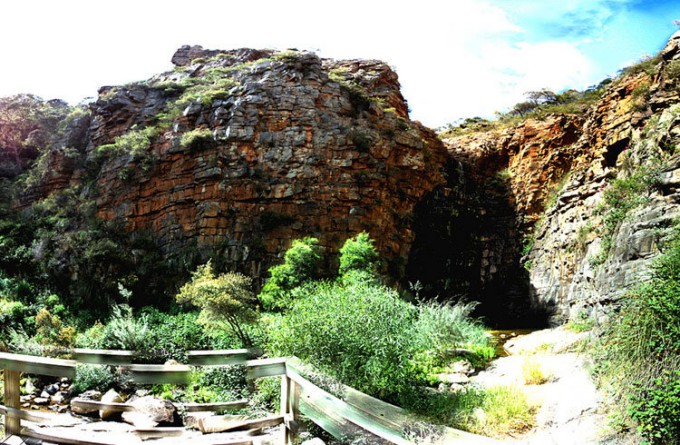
(594, 197)
(236, 153)
(233, 154)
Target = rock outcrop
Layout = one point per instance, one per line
(236, 153)
(233, 154)
(580, 255)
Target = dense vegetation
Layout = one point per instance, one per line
(352, 329)
(638, 356)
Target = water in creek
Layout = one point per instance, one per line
(503, 335)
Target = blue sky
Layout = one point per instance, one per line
(455, 59)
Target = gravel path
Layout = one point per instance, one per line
(570, 406)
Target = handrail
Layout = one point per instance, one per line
(358, 413)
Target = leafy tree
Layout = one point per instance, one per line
(225, 300)
(301, 264)
(28, 126)
(358, 253)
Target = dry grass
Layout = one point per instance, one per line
(533, 373)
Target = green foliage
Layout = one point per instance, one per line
(225, 300)
(356, 332)
(52, 332)
(12, 315)
(28, 127)
(228, 382)
(195, 138)
(300, 265)
(581, 323)
(125, 331)
(21, 343)
(442, 327)
(641, 95)
(172, 335)
(498, 411)
(533, 373)
(97, 377)
(639, 354)
(134, 143)
(540, 105)
(358, 253)
(528, 244)
(656, 409)
(646, 65)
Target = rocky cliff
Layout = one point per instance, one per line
(236, 153)
(233, 154)
(593, 198)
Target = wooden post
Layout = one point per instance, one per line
(290, 396)
(286, 438)
(12, 394)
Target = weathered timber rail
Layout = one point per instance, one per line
(355, 414)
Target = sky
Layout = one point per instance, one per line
(455, 58)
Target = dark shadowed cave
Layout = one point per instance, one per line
(468, 247)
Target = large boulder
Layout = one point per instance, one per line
(111, 396)
(151, 411)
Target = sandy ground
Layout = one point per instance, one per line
(570, 409)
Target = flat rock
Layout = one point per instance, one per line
(453, 378)
(111, 396)
(156, 410)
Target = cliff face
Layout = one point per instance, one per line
(236, 153)
(233, 154)
(595, 197)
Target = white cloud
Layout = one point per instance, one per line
(455, 59)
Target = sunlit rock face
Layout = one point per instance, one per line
(549, 252)
(236, 153)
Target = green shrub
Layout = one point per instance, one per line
(446, 326)
(656, 409)
(172, 335)
(226, 300)
(134, 143)
(638, 356)
(356, 332)
(95, 377)
(619, 199)
(22, 343)
(533, 373)
(358, 253)
(498, 411)
(228, 382)
(12, 315)
(125, 331)
(300, 265)
(196, 137)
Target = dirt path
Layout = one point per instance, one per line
(570, 406)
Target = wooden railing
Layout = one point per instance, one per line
(355, 414)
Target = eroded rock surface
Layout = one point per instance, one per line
(236, 153)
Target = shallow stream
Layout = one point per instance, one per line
(503, 335)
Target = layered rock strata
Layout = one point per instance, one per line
(236, 153)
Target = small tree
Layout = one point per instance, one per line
(225, 300)
(358, 254)
(301, 264)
